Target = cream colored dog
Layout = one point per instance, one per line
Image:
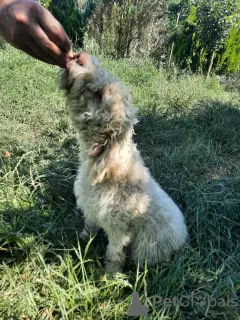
(113, 188)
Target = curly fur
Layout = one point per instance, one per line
(113, 188)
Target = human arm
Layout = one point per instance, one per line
(27, 26)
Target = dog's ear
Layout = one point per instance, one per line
(113, 156)
(95, 150)
(113, 160)
(107, 165)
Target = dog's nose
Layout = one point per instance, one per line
(83, 59)
(72, 57)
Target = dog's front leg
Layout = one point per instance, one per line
(90, 229)
(115, 256)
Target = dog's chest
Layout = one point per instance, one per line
(106, 201)
(95, 201)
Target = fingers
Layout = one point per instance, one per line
(37, 52)
(48, 47)
(72, 56)
(33, 29)
(54, 30)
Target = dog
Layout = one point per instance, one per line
(113, 188)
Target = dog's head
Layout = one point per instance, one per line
(100, 108)
(81, 69)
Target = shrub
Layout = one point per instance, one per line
(70, 16)
(231, 82)
(230, 60)
(207, 36)
(126, 28)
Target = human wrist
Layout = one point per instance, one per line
(4, 4)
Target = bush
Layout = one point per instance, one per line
(207, 36)
(70, 16)
(231, 83)
(230, 60)
(126, 28)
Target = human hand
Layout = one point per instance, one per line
(28, 26)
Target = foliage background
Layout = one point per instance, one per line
(197, 35)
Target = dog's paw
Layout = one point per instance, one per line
(112, 267)
(84, 235)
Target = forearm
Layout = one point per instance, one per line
(4, 3)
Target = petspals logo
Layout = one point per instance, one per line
(137, 309)
(195, 298)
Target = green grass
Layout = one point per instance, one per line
(189, 136)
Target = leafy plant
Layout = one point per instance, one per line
(125, 28)
(214, 20)
(207, 36)
(69, 15)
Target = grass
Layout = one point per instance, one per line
(189, 136)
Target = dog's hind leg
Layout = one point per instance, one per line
(90, 229)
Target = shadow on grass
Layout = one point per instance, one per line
(194, 156)
(46, 216)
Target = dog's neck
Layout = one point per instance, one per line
(115, 164)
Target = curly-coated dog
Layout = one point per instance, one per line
(113, 188)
